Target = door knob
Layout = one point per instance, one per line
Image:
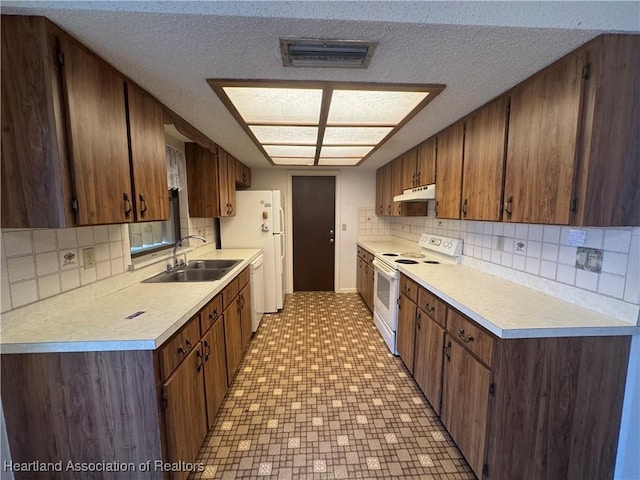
(330, 232)
(331, 240)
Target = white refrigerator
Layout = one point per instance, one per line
(259, 223)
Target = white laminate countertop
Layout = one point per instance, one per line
(101, 325)
(506, 309)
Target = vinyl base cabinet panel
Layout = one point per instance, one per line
(405, 336)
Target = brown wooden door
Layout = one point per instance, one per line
(97, 136)
(485, 141)
(426, 163)
(380, 191)
(232, 338)
(409, 169)
(185, 412)
(465, 401)
(245, 315)
(148, 155)
(449, 171)
(541, 152)
(427, 370)
(226, 183)
(313, 213)
(202, 181)
(405, 336)
(215, 369)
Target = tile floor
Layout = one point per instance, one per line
(319, 396)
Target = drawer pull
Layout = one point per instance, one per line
(188, 342)
(199, 356)
(213, 315)
(447, 351)
(181, 349)
(428, 308)
(463, 337)
(207, 352)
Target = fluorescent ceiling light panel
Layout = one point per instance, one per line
(339, 161)
(293, 160)
(276, 105)
(346, 152)
(284, 135)
(290, 151)
(355, 135)
(370, 107)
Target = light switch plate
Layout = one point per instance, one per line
(89, 255)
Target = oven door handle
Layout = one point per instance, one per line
(383, 270)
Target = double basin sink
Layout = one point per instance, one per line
(196, 271)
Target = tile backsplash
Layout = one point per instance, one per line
(539, 250)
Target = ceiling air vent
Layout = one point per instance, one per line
(299, 52)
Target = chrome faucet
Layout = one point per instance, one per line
(178, 243)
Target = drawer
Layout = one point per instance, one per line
(229, 293)
(243, 278)
(210, 314)
(360, 252)
(174, 350)
(432, 306)
(409, 288)
(469, 334)
(368, 257)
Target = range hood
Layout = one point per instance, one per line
(418, 194)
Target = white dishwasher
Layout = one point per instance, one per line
(257, 291)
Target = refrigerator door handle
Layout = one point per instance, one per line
(281, 214)
(282, 245)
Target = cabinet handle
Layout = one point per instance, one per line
(127, 205)
(144, 203)
(428, 308)
(447, 350)
(366, 269)
(238, 304)
(436, 209)
(508, 207)
(199, 357)
(413, 179)
(206, 355)
(360, 263)
(463, 337)
(418, 319)
(417, 179)
(181, 349)
(188, 342)
(464, 208)
(213, 315)
(389, 209)
(399, 208)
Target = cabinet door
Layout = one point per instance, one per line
(449, 171)
(409, 170)
(406, 331)
(202, 181)
(396, 186)
(97, 137)
(426, 163)
(465, 400)
(232, 338)
(226, 184)
(360, 280)
(380, 191)
(245, 315)
(185, 413)
(148, 155)
(427, 369)
(368, 290)
(541, 151)
(484, 156)
(215, 369)
(387, 196)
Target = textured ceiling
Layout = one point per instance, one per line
(477, 49)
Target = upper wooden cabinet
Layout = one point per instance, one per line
(396, 186)
(226, 183)
(243, 175)
(202, 181)
(384, 196)
(449, 171)
(419, 165)
(148, 155)
(541, 152)
(66, 158)
(485, 141)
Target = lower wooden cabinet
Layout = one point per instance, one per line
(516, 408)
(465, 401)
(215, 369)
(183, 402)
(244, 300)
(364, 277)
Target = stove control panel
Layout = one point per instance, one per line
(445, 245)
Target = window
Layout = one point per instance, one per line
(151, 237)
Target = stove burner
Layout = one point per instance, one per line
(406, 261)
(390, 254)
(434, 262)
(412, 255)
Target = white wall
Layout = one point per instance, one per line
(356, 189)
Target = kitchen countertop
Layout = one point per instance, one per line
(506, 309)
(101, 325)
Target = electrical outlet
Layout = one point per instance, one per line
(520, 246)
(344, 227)
(89, 255)
(500, 244)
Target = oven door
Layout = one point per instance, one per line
(385, 293)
